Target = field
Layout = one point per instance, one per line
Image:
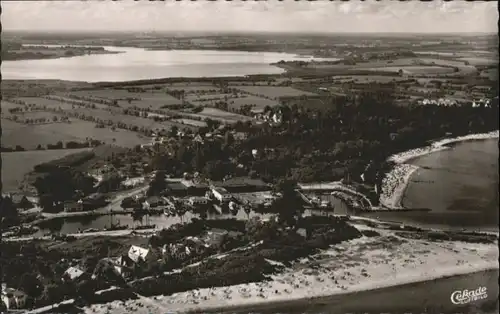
(195, 123)
(38, 115)
(258, 103)
(221, 115)
(208, 99)
(49, 103)
(193, 89)
(130, 120)
(273, 92)
(413, 69)
(125, 98)
(480, 60)
(6, 105)
(17, 164)
(29, 136)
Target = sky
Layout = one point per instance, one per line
(238, 16)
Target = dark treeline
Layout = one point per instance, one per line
(339, 142)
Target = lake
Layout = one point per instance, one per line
(459, 185)
(137, 64)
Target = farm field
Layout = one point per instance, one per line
(208, 99)
(492, 74)
(38, 115)
(16, 165)
(49, 103)
(150, 100)
(258, 103)
(124, 98)
(194, 89)
(30, 136)
(480, 60)
(131, 120)
(191, 122)
(413, 69)
(6, 105)
(368, 79)
(273, 92)
(221, 115)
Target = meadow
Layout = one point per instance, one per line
(126, 99)
(413, 69)
(257, 103)
(273, 92)
(49, 103)
(221, 115)
(30, 136)
(127, 119)
(16, 165)
(196, 123)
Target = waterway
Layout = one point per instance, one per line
(459, 185)
(139, 63)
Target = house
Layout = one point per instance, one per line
(177, 189)
(72, 206)
(153, 201)
(242, 185)
(21, 201)
(302, 232)
(221, 194)
(137, 254)
(13, 298)
(72, 274)
(197, 201)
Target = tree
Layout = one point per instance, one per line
(47, 202)
(158, 184)
(289, 206)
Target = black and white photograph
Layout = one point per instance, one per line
(299, 157)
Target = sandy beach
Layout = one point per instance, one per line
(395, 181)
(362, 264)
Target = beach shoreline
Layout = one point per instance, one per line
(396, 181)
(359, 265)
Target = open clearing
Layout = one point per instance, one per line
(16, 165)
(257, 103)
(220, 115)
(6, 105)
(130, 120)
(273, 92)
(194, 89)
(124, 98)
(191, 122)
(49, 103)
(480, 60)
(414, 69)
(29, 136)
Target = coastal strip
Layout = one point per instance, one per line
(364, 264)
(395, 181)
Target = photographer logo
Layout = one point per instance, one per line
(466, 296)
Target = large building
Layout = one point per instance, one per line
(221, 194)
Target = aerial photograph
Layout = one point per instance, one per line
(249, 157)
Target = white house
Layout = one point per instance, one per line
(137, 253)
(73, 273)
(221, 194)
(12, 298)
